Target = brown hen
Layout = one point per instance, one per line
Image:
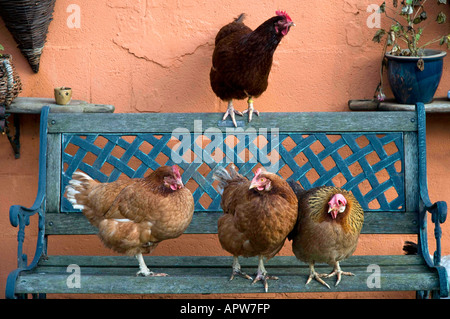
(329, 223)
(242, 60)
(134, 215)
(258, 215)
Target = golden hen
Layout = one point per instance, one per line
(329, 223)
(134, 215)
(258, 215)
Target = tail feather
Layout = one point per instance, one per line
(240, 18)
(77, 185)
(410, 248)
(296, 187)
(224, 177)
(220, 174)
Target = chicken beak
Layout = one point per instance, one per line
(333, 211)
(292, 24)
(180, 183)
(252, 185)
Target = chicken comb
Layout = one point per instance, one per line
(176, 171)
(283, 14)
(260, 170)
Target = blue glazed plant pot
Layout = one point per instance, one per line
(408, 83)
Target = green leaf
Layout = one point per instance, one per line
(1, 47)
(395, 27)
(442, 1)
(378, 35)
(409, 2)
(441, 18)
(417, 37)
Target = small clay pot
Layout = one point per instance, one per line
(63, 95)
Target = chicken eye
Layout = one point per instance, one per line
(262, 179)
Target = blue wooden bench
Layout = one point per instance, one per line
(379, 156)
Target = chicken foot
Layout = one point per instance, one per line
(261, 275)
(316, 276)
(338, 273)
(250, 109)
(143, 269)
(237, 270)
(230, 111)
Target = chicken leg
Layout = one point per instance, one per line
(316, 276)
(230, 111)
(338, 272)
(250, 109)
(262, 274)
(237, 270)
(143, 269)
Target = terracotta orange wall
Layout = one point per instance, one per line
(155, 56)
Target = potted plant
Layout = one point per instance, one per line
(414, 72)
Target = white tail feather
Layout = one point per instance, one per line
(75, 186)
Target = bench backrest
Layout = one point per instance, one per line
(372, 154)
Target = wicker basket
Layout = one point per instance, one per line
(28, 22)
(10, 85)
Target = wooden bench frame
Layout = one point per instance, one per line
(209, 274)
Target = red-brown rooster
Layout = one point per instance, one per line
(258, 216)
(134, 215)
(329, 223)
(242, 60)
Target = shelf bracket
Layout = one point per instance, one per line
(4, 128)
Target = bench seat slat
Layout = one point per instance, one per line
(197, 274)
(215, 261)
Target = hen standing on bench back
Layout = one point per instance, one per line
(134, 215)
(242, 60)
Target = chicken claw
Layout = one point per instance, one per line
(264, 278)
(148, 273)
(230, 111)
(237, 270)
(262, 275)
(144, 271)
(250, 110)
(316, 276)
(338, 273)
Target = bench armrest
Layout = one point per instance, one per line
(19, 216)
(438, 210)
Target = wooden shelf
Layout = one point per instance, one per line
(33, 105)
(438, 105)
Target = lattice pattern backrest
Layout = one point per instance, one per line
(370, 165)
